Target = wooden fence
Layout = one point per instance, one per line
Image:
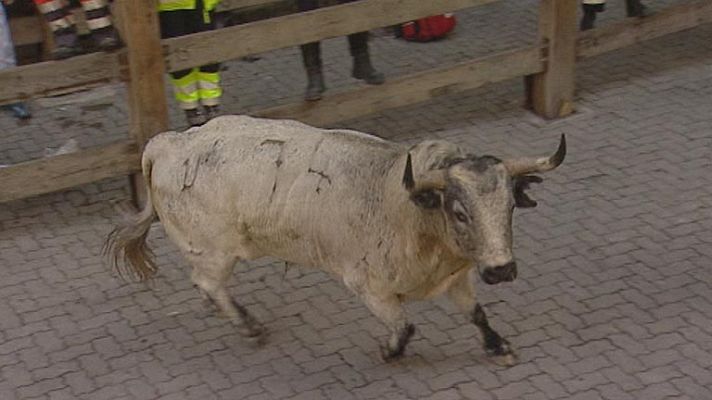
(548, 68)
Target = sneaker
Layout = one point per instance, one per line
(195, 117)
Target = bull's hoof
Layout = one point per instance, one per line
(389, 354)
(500, 349)
(502, 354)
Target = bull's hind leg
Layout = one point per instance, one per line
(390, 311)
(462, 293)
(211, 274)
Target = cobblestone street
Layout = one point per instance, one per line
(613, 299)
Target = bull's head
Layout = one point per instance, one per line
(477, 196)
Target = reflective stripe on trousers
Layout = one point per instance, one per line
(185, 89)
(209, 88)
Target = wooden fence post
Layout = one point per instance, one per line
(148, 107)
(551, 92)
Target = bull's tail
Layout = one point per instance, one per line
(126, 246)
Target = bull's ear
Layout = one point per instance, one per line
(521, 183)
(427, 198)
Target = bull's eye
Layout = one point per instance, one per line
(458, 210)
(461, 216)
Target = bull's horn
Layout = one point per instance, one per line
(430, 180)
(435, 179)
(528, 165)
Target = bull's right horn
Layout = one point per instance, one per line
(528, 165)
(435, 179)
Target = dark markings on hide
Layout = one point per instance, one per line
(272, 141)
(364, 260)
(322, 176)
(278, 162)
(189, 174)
(274, 189)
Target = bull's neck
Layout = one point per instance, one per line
(421, 230)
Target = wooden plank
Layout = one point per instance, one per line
(148, 106)
(52, 77)
(551, 92)
(413, 88)
(238, 4)
(291, 30)
(68, 170)
(636, 30)
(26, 30)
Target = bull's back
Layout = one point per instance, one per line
(268, 187)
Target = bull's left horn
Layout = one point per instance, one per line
(528, 165)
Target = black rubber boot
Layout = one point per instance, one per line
(211, 112)
(66, 44)
(362, 69)
(311, 55)
(195, 117)
(634, 8)
(589, 15)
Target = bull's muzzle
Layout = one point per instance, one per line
(502, 273)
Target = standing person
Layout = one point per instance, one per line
(633, 8)
(61, 22)
(7, 58)
(194, 87)
(311, 56)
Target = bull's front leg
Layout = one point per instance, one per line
(462, 293)
(389, 310)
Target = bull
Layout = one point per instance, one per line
(394, 224)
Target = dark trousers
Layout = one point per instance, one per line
(185, 22)
(358, 42)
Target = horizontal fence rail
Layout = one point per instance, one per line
(291, 30)
(413, 88)
(635, 30)
(58, 77)
(68, 170)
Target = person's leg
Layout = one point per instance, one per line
(185, 82)
(61, 23)
(98, 18)
(635, 8)
(590, 9)
(209, 90)
(311, 57)
(362, 68)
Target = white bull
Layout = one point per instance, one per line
(394, 223)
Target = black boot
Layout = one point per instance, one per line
(66, 44)
(634, 8)
(195, 117)
(589, 15)
(311, 55)
(362, 69)
(211, 112)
